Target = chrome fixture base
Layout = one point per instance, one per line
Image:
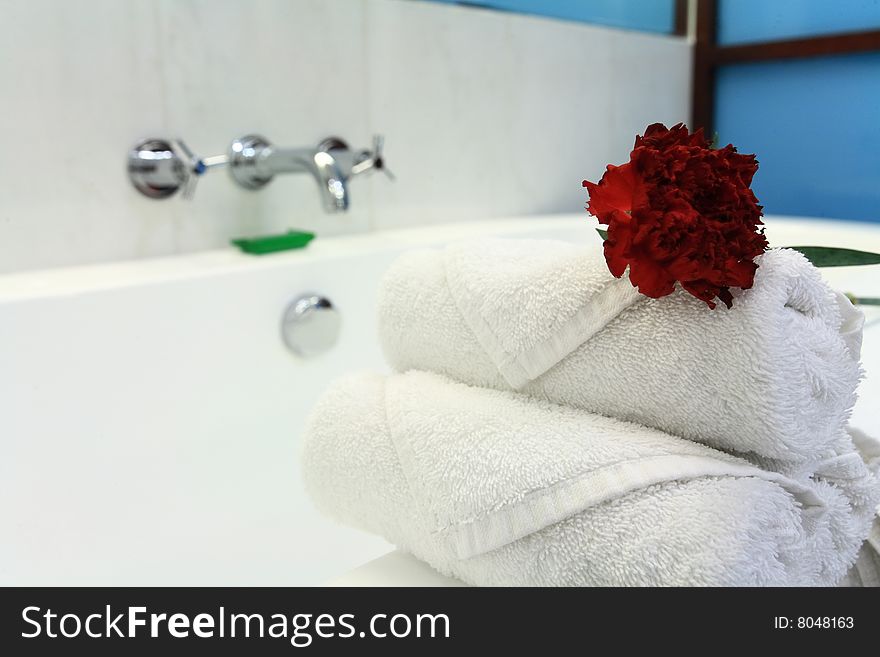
(332, 144)
(156, 169)
(310, 326)
(244, 154)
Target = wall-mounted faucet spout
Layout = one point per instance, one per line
(254, 161)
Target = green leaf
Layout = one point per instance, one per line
(602, 233)
(829, 256)
(863, 301)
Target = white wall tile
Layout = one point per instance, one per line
(80, 82)
(652, 83)
(560, 112)
(491, 114)
(484, 113)
(440, 91)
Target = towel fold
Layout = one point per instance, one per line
(866, 570)
(775, 375)
(497, 488)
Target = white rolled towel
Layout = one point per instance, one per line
(866, 570)
(774, 375)
(499, 489)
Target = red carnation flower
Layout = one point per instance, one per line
(680, 211)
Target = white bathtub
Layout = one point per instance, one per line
(150, 414)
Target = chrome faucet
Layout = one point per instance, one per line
(253, 162)
(159, 168)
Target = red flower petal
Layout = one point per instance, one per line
(650, 278)
(620, 189)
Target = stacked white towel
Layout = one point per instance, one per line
(728, 461)
(499, 489)
(772, 375)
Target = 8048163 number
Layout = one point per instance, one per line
(814, 622)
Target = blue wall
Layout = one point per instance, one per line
(748, 21)
(815, 126)
(644, 15)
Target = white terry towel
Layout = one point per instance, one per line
(866, 570)
(774, 375)
(499, 489)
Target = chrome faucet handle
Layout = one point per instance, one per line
(159, 168)
(194, 167)
(372, 160)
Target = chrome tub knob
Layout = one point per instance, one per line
(310, 326)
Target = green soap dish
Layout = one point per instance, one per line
(294, 239)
